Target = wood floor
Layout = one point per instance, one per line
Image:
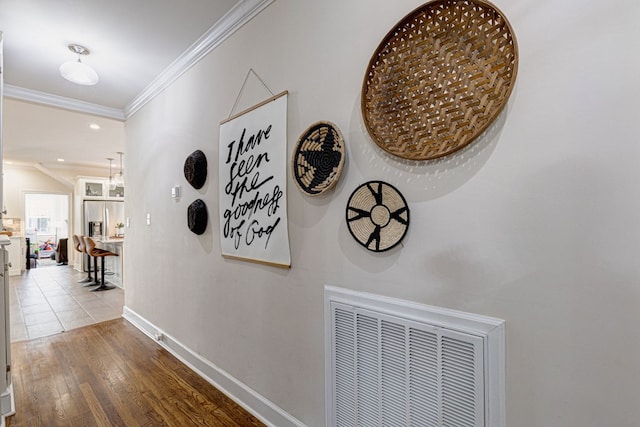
(110, 374)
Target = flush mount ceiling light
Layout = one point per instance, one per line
(76, 71)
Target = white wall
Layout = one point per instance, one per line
(21, 179)
(536, 223)
(41, 133)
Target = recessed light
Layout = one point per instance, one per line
(94, 126)
(8, 162)
(60, 160)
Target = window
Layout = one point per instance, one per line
(46, 219)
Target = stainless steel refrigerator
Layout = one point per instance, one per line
(99, 219)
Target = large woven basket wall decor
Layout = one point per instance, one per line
(318, 158)
(377, 216)
(439, 78)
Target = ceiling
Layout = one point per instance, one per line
(137, 47)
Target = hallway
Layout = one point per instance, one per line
(103, 372)
(48, 300)
(111, 374)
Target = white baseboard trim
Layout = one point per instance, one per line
(260, 407)
(7, 405)
(7, 402)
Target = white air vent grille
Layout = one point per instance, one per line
(424, 397)
(388, 368)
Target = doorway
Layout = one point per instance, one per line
(46, 219)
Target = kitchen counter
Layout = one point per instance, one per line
(110, 240)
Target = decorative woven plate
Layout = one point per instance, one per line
(195, 169)
(318, 158)
(377, 216)
(197, 216)
(439, 78)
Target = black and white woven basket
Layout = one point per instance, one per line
(318, 158)
(377, 216)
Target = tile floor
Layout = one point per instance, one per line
(48, 300)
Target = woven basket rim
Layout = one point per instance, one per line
(342, 150)
(389, 35)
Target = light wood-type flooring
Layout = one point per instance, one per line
(111, 374)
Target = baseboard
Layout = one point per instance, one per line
(7, 402)
(263, 409)
(7, 405)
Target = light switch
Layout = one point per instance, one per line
(127, 222)
(148, 219)
(175, 192)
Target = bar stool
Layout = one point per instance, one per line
(78, 244)
(90, 247)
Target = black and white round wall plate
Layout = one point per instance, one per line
(377, 216)
(318, 158)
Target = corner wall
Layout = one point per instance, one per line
(535, 224)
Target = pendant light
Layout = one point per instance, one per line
(112, 184)
(119, 178)
(76, 71)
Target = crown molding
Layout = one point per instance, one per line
(21, 93)
(233, 20)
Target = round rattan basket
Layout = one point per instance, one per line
(439, 78)
(318, 158)
(377, 216)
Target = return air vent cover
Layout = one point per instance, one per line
(386, 369)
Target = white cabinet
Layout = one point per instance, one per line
(113, 264)
(98, 189)
(16, 256)
(6, 391)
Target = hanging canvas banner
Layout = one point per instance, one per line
(253, 184)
